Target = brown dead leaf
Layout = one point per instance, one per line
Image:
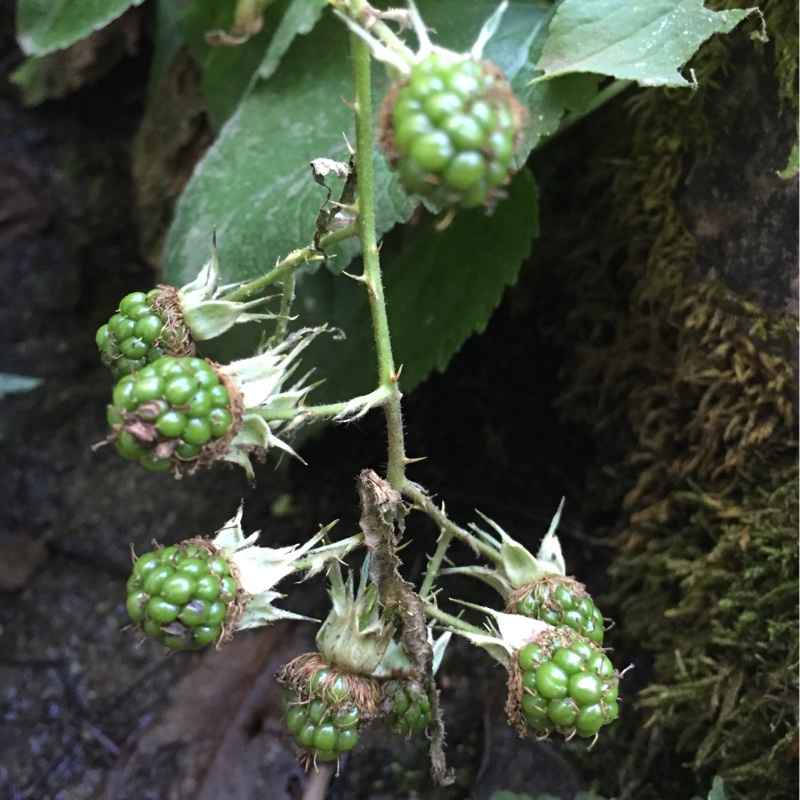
(381, 509)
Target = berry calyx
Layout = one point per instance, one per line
(146, 327)
(559, 600)
(410, 707)
(185, 596)
(561, 682)
(450, 128)
(175, 412)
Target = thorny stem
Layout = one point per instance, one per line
(428, 507)
(387, 377)
(435, 563)
(287, 297)
(290, 264)
(365, 22)
(328, 410)
(434, 611)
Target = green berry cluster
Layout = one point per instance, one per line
(137, 335)
(568, 685)
(167, 412)
(562, 601)
(181, 595)
(450, 130)
(411, 708)
(321, 715)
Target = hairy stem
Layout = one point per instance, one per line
(435, 563)
(286, 306)
(349, 409)
(387, 377)
(290, 264)
(424, 503)
(432, 610)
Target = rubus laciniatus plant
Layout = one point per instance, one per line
(453, 131)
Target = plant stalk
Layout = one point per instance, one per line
(290, 264)
(432, 610)
(428, 507)
(327, 410)
(435, 563)
(387, 376)
(286, 306)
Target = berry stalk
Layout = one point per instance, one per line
(429, 508)
(290, 264)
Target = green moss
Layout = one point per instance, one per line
(690, 391)
(731, 699)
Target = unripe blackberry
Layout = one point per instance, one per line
(146, 327)
(562, 682)
(559, 600)
(410, 707)
(183, 596)
(175, 412)
(450, 129)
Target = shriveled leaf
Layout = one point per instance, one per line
(47, 25)
(646, 42)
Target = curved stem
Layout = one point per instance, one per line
(289, 264)
(432, 610)
(428, 507)
(286, 306)
(435, 563)
(348, 409)
(387, 377)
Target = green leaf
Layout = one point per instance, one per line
(33, 77)
(300, 18)
(439, 291)
(254, 184)
(228, 72)
(447, 285)
(11, 384)
(504, 794)
(47, 25)
(167, 40)
(717, 789)
(648, 42)
(792, 165)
